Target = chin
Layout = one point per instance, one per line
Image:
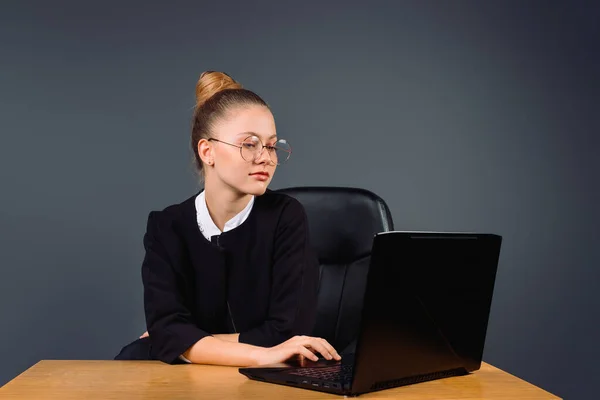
(256, 189)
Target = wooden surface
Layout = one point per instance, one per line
(150, 380)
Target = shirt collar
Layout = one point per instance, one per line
(207, 225)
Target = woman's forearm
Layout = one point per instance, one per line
(212, 350)
(230, 337)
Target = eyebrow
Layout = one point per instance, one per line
(256, 134)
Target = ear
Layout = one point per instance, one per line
(205, 151)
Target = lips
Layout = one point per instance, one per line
(260, 176)
(265, 174)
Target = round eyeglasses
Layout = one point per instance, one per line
(251, 149)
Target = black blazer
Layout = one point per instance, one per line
(259, 279)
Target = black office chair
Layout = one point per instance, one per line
(342, 224)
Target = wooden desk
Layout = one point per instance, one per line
(131, 380)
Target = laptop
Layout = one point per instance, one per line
(425, 315)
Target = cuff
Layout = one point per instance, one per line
(181, 357)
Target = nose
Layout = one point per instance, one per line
(263, 157)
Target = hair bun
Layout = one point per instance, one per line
(212, 82)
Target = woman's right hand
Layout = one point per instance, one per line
(305, 346)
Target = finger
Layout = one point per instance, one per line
(145, 334)
(316, 344)
(298, 339)
(330, 348)
(306, 353)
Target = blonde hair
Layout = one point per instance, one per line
(211, 83)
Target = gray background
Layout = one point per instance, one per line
(462, 115)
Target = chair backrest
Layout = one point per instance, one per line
(342, 223)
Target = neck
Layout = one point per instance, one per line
(223, 202)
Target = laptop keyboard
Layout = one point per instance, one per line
(334, 373)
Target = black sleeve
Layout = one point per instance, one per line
(168, 319)
(292, 303)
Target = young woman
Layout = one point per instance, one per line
(229, 274)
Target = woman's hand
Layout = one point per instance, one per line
(305, 346)
(145, 334)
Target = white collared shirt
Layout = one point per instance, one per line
(209, 228)
(207, 225)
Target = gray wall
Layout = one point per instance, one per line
(462, 116)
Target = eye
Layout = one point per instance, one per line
(251, 142)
